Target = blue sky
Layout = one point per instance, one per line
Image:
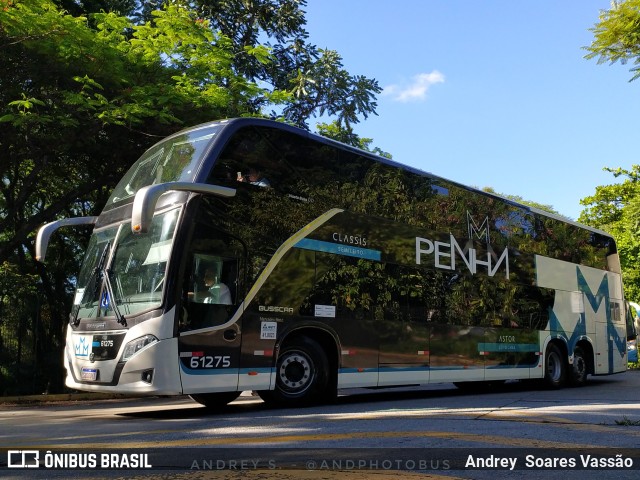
(489, 93)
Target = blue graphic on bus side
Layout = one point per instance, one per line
(508, 347)
(339, 249)
(580, 330)
(596, 301)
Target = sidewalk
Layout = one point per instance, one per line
(60, 397)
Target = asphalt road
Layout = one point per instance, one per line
(426, 432)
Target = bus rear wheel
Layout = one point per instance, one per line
(579, 369)
(215, 400)
(555, 367)
(302, 374)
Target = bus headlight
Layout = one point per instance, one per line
(134, 346)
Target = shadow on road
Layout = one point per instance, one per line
(370, 396)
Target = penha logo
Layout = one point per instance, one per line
(446, 254)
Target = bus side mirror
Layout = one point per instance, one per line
(144, 203)
(44, 234)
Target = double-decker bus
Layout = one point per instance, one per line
(247, 254)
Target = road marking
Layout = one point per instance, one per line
(324, 437)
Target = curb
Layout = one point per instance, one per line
(61, 397)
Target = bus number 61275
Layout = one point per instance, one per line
(208, 361)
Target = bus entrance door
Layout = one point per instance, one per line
(210, 359)
(210, 336)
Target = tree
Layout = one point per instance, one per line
(316, 77)
(346, 135)
(617, 35)
(616, 209)
(78, 9)
(519, 199)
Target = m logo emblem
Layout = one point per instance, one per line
(481, 232)
(81, 344)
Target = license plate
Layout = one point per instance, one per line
(89, 374)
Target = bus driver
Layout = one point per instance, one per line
(216, 292)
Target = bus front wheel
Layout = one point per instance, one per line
(302, 373)
(555, 367)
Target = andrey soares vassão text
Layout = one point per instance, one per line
(532, 461)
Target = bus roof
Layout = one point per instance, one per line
(231, 125)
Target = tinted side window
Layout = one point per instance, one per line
(251, 158)
(291, 164)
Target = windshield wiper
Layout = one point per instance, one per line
(105, 276)
(96, 276)
(114, 305)
(101, 277)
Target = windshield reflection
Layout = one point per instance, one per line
(175, 159)
(131, 279)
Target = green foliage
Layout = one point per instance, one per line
(92, 89)
(316, 77)
(323, 87)
(519, 199)
(616, 209)
(346, 135)
(617, 35)
(15, 284)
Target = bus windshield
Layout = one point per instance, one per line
(133, 267)
(175, 159)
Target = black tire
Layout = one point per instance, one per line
(469, 387)
(579, 369)
(555, 367)
(483, 386)
(302, 374)
(215, 400)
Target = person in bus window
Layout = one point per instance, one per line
(217, 292)
(254, 177)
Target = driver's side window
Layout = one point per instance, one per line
(207, 283)
(213, 286)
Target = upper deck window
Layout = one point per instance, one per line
(253, 156)
(288, 163)
(172, 160)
